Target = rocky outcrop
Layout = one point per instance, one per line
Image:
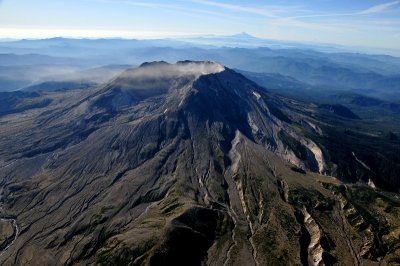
(283, 190)
(315, 249)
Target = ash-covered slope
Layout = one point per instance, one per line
(181, 165)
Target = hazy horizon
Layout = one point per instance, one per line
(374, 24)
(210, 40)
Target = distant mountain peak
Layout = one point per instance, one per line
(244, 35)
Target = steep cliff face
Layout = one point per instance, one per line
(184, 164)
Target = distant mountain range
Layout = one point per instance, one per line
(27, 63)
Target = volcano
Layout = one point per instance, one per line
(184, 164)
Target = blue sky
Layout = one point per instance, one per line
(358, 23)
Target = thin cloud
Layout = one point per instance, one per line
(290, 22)
(175, 7)
(378, 8)
(271, 14)
(369, 11)
(237, 8)
(276, 16)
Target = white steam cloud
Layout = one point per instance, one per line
(165, 70)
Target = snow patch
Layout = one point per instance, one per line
(258, 96)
